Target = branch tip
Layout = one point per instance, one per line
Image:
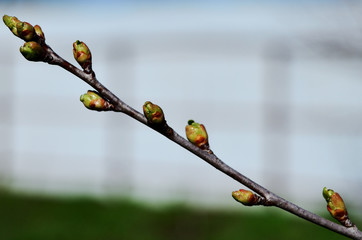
(336, 207)
(24, 30)
(11, 23)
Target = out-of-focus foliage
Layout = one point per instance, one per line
(38, 218)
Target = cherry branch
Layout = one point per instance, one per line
(35, 49)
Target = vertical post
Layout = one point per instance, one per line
(119, 164)
(276, 115)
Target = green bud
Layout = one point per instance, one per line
(25, 30)
(32, 51)
(93, 101)
(327, 194)
(197, 135)
(11, 23)
(82, 54)
(336, 206)
(39, 32)
(245, 197)
(153, 113)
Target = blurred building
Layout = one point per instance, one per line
(277, 84)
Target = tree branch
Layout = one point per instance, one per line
(266, 198)
(271, 199)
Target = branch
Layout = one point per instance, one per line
(35, 49)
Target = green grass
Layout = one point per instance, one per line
(25, 217)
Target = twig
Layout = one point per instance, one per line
(266, 198)
(271, 199)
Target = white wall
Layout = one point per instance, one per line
(278, 87)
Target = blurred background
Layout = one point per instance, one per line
(276, 83)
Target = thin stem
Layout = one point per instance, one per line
(271, 199)
(351, 232)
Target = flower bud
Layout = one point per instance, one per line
(93, 101)
(32, 51)
(39, 32)
(245, 197)
(153, 113)
(82, 54)
(25, 31)
(11, 23)
(197, 135)
(336, 206)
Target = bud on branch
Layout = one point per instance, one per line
(11, 23)
(153, 113)
(25, 31)
(247, 197)
(197, 135)
(93, 101)
(33, 51)
(82, 55)
(336, 207)
(39, 32)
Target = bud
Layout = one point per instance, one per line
(245, 197)
(25, 31)
(153, 113)
(32, 51)
(11, 23)
(197, 135)
(336, 206)
(82, 54)
(39, 32)
(93, 101)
